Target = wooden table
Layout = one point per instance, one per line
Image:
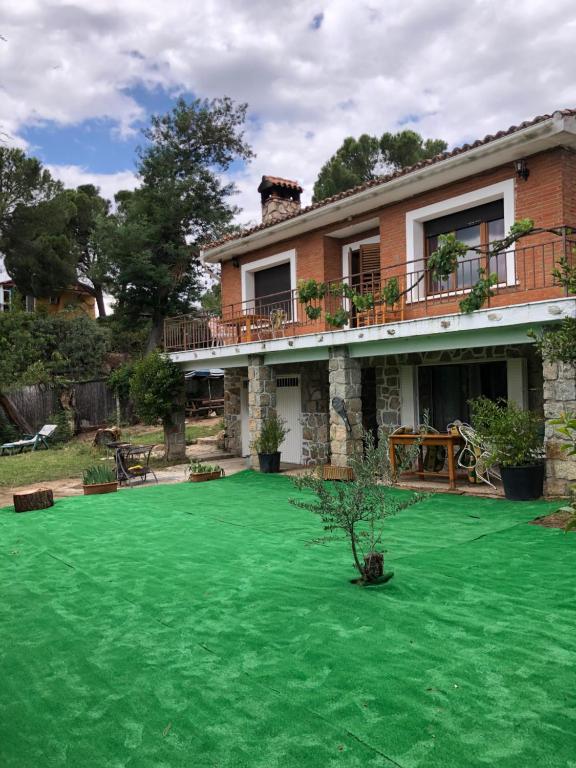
(248, 320)
(448, 440)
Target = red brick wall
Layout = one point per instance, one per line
(548, 197)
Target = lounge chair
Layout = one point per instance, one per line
(30, 441)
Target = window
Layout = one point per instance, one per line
(273, 290)
(5, 299)
(477, 227)
(268, 284)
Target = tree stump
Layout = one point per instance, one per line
(41, 498)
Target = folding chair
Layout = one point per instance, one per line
(30, 441)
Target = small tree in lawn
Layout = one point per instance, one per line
(356, 511)
(157, 392)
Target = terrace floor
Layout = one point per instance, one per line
(192, 625)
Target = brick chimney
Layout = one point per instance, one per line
(280, 198)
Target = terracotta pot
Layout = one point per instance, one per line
(93, 488)
(202, 477)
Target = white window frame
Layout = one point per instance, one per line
(415, 220)
(5, 306)
(248, 270)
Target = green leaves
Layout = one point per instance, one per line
(156, 388)
(479, 293)
(363, 159)
(514, 437)
(444, 260)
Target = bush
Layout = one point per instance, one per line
(513, 436)
(156, 388)
(272, 435)
(63, 431)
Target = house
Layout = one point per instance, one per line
(418, 351)
(75, 297)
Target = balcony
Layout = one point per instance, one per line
(524, 275)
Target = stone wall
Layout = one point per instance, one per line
(388, 393)
(345, 382)
(559, 397)
(232, 417)
(261, 399)
(315, 417)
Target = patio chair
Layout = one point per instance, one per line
(30, 441)
(133, 463)
(475, 456)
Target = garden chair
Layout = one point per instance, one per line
(475, 456)
(133, 464)
(30, 441)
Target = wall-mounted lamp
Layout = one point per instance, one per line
(235, 262)
(522, 171)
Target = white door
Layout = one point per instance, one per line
(244, 419)
(288, 406)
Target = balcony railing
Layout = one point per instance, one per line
(523, 274)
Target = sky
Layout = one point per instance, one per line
(80, 79)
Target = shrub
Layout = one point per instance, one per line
(272, 435)
(513, 436)
(63, 432)
(156, 388)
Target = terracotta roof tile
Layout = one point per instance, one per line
(381, 180)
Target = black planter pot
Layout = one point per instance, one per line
(523, 483)
(269, 462)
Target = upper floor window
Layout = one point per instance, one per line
(5, 299)
(477, 227)
(268, 285)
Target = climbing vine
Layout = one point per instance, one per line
(441, 264)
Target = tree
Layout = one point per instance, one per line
(37, 245)
(92, 258)
(157, 392)
(356, 511)
(23, 181)
(182, 201)
(364, 159)
(53, 244)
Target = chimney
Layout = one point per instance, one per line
(280, 198)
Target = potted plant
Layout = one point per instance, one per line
(514, 440)
(200, 473)
(99, 479)
(268, 443)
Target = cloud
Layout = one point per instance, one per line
(109, 183)
(311, 77)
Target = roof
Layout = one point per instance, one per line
(276, 181)
(381, 181)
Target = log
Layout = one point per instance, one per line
(14, 414)
(41, 498)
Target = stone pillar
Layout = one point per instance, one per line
(232, 415)
(388, 393)
(261, 399)
(559, 397)
(345, 383)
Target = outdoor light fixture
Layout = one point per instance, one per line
(235, 262)
(521, 169)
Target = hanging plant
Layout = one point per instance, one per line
(363, 302)
(310, 290)
(343, 290)
(338, 319)
(391, 291)
(313, 313)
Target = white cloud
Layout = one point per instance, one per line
(109, 183)
(464, 69)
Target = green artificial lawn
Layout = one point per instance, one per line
(191, 625)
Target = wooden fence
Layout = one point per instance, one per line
(93, 402)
